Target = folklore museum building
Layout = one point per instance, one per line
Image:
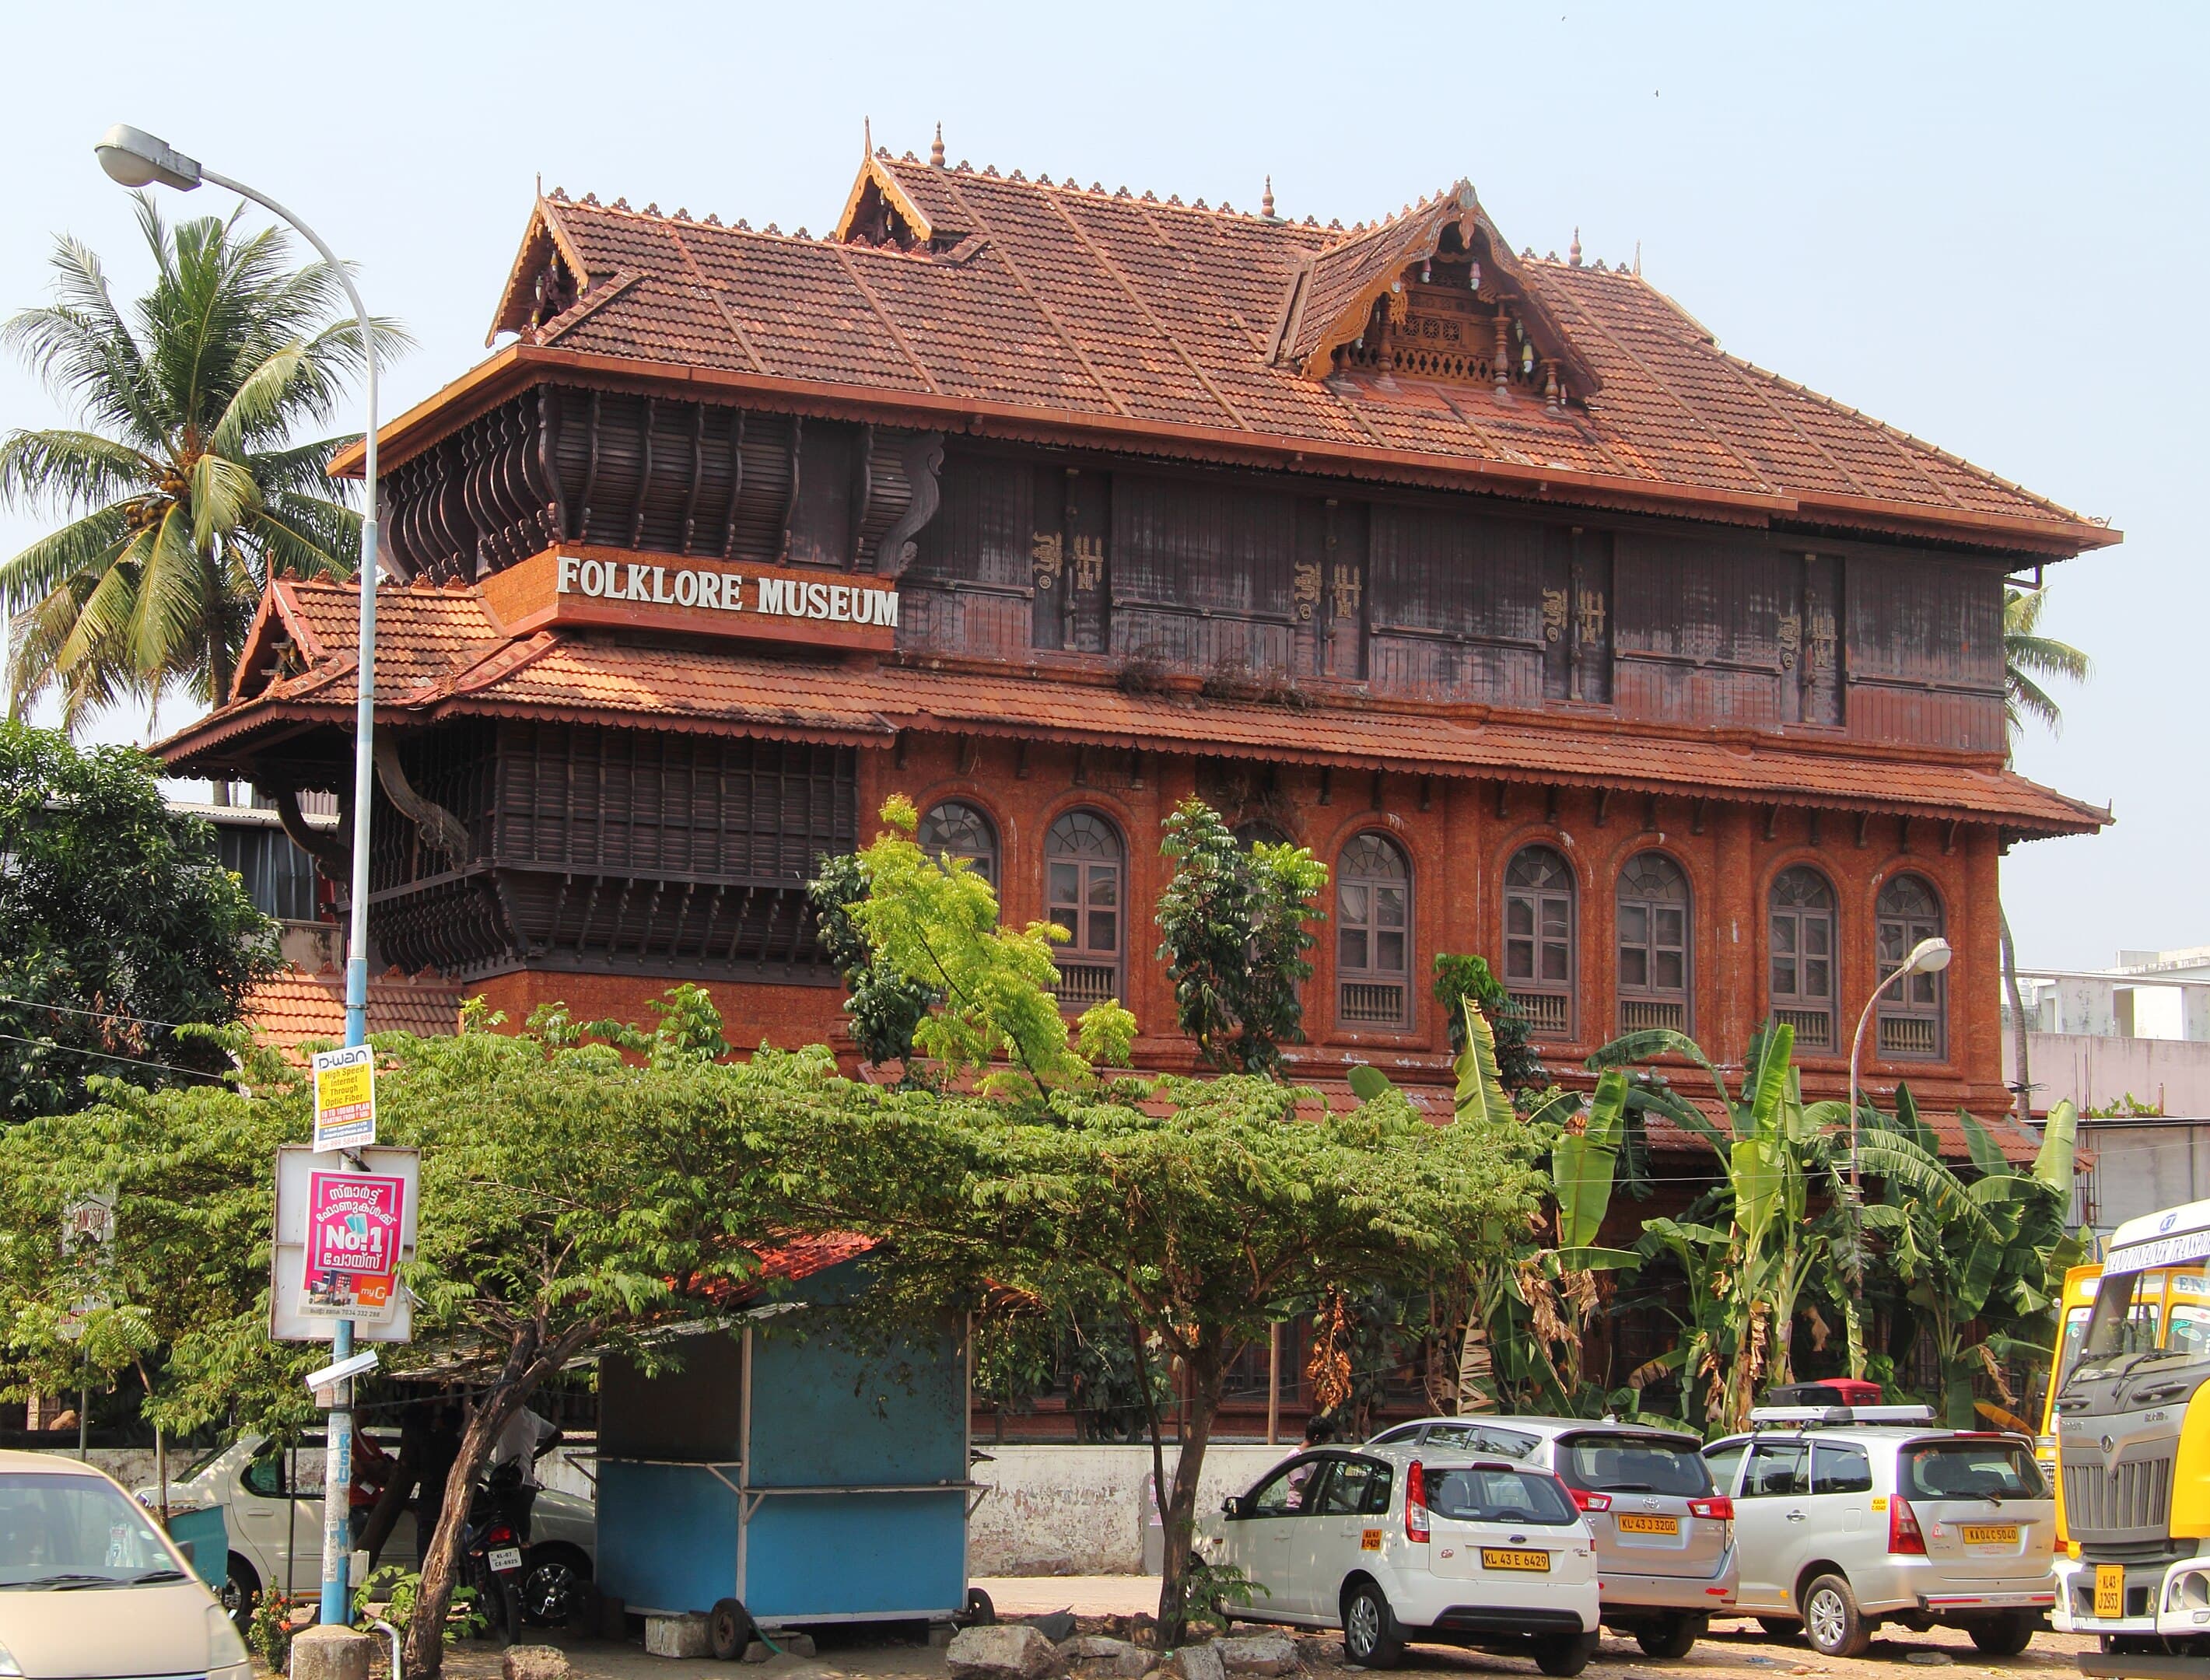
(1561, 636)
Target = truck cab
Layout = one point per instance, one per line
(2132, 1416)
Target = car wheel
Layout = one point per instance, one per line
(241, 1592)
(1779, 1627)
(729, 1629)
(1564, 1654)
(2003, 1636)
(554, 1583)
(1672, 1636)
(1370, 1634)
(1831, 1618)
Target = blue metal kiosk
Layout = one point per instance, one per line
(804, 1476)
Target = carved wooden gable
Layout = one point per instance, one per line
(1434, 294)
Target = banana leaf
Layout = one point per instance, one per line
(1755, 1169)
(2059, 1140)
(1596, 1260)
(1907, 1167)
(1655, 1041)
(1987, 1154)
(1583, 1163)
(1481, 1094)
(1765, 1079)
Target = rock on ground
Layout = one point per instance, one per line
(534, 1662)
(1195, 1662)
(1099, 1657)
(1257, 1653)
(1011, 1651)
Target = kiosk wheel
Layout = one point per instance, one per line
(980, 1612)
(729, 1629)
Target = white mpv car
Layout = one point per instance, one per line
(1397, 1543)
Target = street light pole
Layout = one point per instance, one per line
(1927, 956)
(137, 159)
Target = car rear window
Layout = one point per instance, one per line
(1633, 1464)
(1970, 1470)
(1484, 1439)
(1499, 1495)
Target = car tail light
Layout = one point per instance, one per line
(1416, 1503)
(1717, 1508)
(1904, 1535)
(1583, 1500)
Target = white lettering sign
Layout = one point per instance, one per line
(724, 592)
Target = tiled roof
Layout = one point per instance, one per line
(1083, 306)
(296, 1005)
(440, 655)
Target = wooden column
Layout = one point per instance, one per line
(1735, 992)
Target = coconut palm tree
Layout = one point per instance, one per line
(183, 491)
(2028, 656)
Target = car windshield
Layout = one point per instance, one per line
(71, 1531)
(1498, 1496)
(1633, 1464)
(1992, 1469)
(2124, 1321)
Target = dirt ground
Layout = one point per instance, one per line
(1734, 1650)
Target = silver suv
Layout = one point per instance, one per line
(1663, 1533)
(1847, 1520)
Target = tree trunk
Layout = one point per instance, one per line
(1207, 1366)
(2024, 1085)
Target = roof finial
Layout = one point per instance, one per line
(936, 149)
(1573, 250)
(1266, 204)
(1638, 259)
(866, 137)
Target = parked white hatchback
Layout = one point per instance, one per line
(1395, 1543)
(90, 1586)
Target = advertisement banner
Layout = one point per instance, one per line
(345, 1099)
(354, 1225)
(342, 1238)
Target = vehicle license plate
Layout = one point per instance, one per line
(505, 1558)
(1502, 1558)
(1629, 1523)
(1989, 1533)
(2109, 1589)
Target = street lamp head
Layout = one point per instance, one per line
(1927, 956)
(133, 158)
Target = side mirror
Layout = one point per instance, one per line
(2037, 1396)
(1232, 1506)
(186, 1547)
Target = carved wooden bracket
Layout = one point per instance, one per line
(439, 828)
(922, 456)
(324, 846)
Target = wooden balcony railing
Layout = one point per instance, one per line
(1083, 984)
(1916, 1037)
(1815, 1028)
(1373, 1003)
(1640, 1015)
(1549, 1014)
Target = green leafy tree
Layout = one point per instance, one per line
(2029, 660)
(182, 489)
(1235, 926)
(1459, 979)
(884, 1007)
(933, 922)
(1194, 1208)
(119, 924)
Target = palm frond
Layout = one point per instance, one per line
(2027, 654)
(72, 469)
(303, 469)
(224, 497)
(300, 537)
(86, 546)
(168, 627)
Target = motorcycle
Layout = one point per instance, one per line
(492, 1545)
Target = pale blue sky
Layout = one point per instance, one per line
(1985, 224)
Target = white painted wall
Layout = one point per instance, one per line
(1074, 1510)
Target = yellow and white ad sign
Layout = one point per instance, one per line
(345, 1099)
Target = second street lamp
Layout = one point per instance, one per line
(136, 159)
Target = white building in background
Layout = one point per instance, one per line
(2130, 1046)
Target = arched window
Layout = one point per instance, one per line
(1800, 918)
(1538, 939)
(959, 829)
(1374, 934)
(1653, 943)
(1083, 870)
(1911, 1012)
